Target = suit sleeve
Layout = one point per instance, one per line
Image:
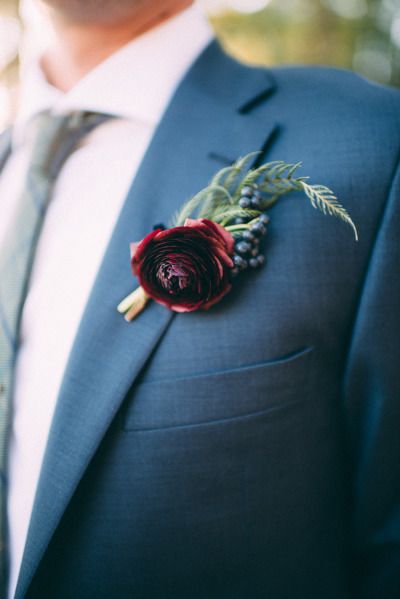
(372, 407)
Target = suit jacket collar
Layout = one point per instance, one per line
(211, 118)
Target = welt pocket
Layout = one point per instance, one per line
(231, 393)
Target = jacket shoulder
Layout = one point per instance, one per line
(327, 89)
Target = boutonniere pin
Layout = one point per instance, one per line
(218, 234)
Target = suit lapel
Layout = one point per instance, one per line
(204, 122)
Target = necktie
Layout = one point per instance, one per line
(53, 138)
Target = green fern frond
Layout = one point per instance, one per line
(322, 198)
(189, 208)
(221, 176)
(205, 199)
(293, 169)
(232, 181)
(226, 176)
(218, 197)
(220, 200)
(229, 215)
(271, 174)
(279, 187)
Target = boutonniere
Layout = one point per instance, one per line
(217, 234)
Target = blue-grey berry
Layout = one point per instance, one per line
(261, 259)
(258, 229)
(253, 263)
(247, 191)
(255, 202)
(248, 236)
(264, 219)
(244, 202)
(239, 262)
(243, 247)
(255, 251)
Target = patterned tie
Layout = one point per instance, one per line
(53, 138)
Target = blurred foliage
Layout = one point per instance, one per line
(363, 35)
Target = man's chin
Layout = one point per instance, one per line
(111, 12)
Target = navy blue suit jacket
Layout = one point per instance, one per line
(252, 450)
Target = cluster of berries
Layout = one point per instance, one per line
(247, 245)
(250, 197)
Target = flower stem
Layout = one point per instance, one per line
(242, 227)
(132, 305)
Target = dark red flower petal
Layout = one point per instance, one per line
(185, 268)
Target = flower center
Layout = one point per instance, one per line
(173, 277)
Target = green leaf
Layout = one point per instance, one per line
(203, 203)
(189, 208)
(323, 198)
(226, 176)
(220, 200)
(219, 177)
(237, 170)
(232, 213)
(217, 198)
(272, 177)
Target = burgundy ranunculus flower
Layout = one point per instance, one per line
(185, 268)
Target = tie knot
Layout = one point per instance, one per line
(53, 137)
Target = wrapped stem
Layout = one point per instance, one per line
(133, 304)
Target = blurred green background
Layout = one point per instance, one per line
(363, 35)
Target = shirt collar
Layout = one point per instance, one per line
(140, 78)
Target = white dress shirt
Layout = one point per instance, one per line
(136, 84)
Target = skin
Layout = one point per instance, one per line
(89, 31)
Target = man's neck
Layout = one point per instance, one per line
(80, 48)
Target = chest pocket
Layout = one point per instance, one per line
(204, 399)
